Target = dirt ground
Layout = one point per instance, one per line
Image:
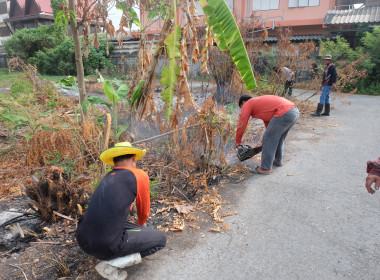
(50, 251)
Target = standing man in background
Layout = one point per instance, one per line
(328, 83)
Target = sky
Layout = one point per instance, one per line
(115, 15)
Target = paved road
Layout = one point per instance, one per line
(310, 219)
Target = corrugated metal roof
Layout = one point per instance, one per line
(362, 15)
(299, 37)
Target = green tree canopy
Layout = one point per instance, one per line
(339, 49)
(27, 41)
(370, 44)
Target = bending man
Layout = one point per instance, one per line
(279, 116)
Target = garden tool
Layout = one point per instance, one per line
(245, 152)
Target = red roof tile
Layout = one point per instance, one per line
(18, 8)
(44, 6)
(30, 7)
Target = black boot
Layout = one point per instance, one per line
(319, 110)
(327, 110)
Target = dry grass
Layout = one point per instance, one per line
(45, 143)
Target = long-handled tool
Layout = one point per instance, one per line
(325, 83)
(311, 95)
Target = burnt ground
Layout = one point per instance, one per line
(49, 250)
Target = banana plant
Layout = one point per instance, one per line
(28, 121)
(170, 73)
(115, 97)
(132, 18)
(224, 27)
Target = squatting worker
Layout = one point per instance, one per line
(103, 231)
(279, 116)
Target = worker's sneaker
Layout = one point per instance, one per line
(110, 272)
(112, 269)
(125, 261)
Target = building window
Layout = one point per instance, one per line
(262, 5)
(303, 3)
(3, 8)
(230, 4)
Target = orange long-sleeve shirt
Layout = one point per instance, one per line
(142, 195)
(263, 107)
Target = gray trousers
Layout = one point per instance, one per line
(274, 137)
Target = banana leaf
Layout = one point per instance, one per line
(170, 73)
(137, 93)
(110, 92)
(13, 118)
(94, 100)
(122, 91)
(224, 27)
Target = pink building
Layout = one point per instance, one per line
(28, 13)
(309, 19)
(18, 14)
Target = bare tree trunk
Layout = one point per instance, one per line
(106, 133)
(78, 60)
(149, 75)
(223, 91)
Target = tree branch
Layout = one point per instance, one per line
(23, 273)
(86, 11)
(149, 75)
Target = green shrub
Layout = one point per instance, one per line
(371, 89)
(367, 87)
(97, 59)
(52, 52)
(370, 46)
(67, 164)
(61, 59)
(153, 188)
(339, 49)
(27, 41)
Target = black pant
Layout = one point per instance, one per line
(288, 88)
(143, 240)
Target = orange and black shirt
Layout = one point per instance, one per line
(101, 230)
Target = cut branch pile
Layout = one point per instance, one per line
(192, 155)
